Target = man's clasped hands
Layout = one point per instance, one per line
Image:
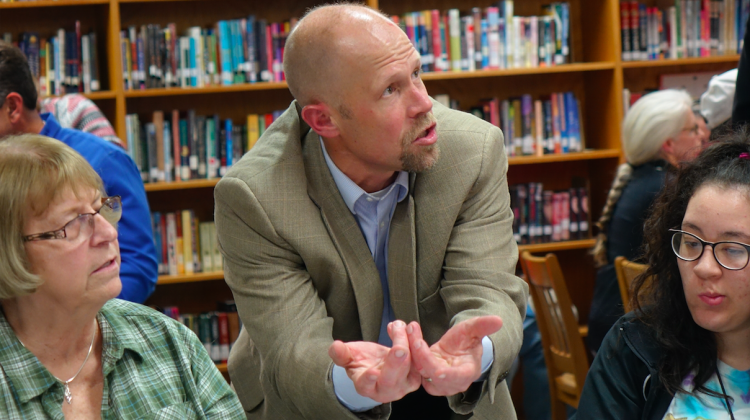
(448, 367)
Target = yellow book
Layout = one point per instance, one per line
(187, 241)
(252, 130)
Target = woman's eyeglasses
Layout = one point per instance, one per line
(83, 224)
(730, 255)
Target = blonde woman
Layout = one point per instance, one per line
(659, 131)
(68, 349)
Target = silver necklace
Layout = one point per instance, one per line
(68, 395)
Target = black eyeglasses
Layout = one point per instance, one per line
(730, 255)
(83, 224)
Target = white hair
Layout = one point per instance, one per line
(652, 120)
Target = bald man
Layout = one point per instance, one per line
(367, 241)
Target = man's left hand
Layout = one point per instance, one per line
(451, 365)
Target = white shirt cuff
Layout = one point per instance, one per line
(488, 357)
(344, 389)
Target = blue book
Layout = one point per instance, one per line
(571, 116)
(485, 45)
(228, 141)
(564, 135)
(193, 65)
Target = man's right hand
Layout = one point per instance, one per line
(378, 372)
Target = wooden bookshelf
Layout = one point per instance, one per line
(181, 185)
(50, 3)
(558, 246)
(735, 58)
(588, 154)
(245, 87)
(563, 68)
(190, 278)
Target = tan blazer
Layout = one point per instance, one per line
(302, 274)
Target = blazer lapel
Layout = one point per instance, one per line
(347, 238)
(402, 267)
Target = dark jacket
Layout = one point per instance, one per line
(624, 237)
(622, 382)
(741, 107)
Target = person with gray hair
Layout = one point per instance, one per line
(659, 130)
(68, 348)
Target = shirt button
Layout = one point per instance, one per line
(369, 198)
(382, 224)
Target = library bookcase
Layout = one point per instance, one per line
(597, 76)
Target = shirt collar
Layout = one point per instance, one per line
(30, 378)
(51, 126)
(350, 191)
(25, 372)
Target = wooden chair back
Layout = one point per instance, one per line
(627, 271)
(564, 351)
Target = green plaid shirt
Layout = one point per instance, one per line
(154, 368)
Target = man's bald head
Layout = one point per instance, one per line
(318, 50)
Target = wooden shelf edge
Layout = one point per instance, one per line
(565, 157)
(681, 61)
(190, 278)
(558, 246)
(175, 91)
(564, 68)
(222, 367)
(104, 94)
(181, 185)
(244, 87)
(50, 3)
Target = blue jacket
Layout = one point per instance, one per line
(138, 271)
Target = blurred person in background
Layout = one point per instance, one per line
(659, 130)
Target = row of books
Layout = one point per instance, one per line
(246, 50)
(543, 216)
(492, 38)
(184, 146)
(533, 127)
(184, 244)
(217, 330)
(65, 63)
(690, 28)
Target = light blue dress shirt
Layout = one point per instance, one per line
(373, 212)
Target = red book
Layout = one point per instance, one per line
(269, 51)
(269, 120)
(223, 336)
(437, 42)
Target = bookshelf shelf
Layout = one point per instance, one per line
(565, 157)
(104, 94)
(222, 367)
(266, 86)
(558, 246)
(190, 278)
(262, 86)
(48, 3)
(735, 58)
(565, 68)
(181, 185)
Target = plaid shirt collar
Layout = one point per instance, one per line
(30, 378)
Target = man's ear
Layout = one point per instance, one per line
(14, 107)
(318, 117)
